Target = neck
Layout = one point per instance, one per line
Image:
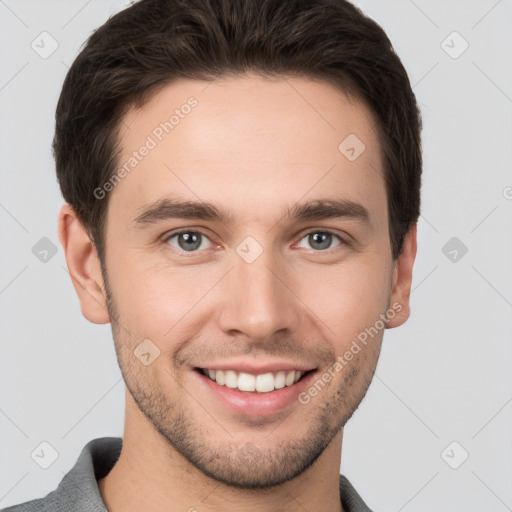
(150, 475)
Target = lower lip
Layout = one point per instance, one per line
(253, 403)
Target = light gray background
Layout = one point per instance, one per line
(444, 376)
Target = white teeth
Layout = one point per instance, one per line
(264, 383)
(230, 379)
(280, 380)
(219, 377)
(246, 382)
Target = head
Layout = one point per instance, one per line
(242, 183)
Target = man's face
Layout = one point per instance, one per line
(259, 291)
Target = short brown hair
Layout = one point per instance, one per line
(153, 42)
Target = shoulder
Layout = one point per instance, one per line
(350, 498)
(45, 504)
(78, 490)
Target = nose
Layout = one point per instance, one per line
(258, 300)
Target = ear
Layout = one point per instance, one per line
(402, 279)
(83, 266)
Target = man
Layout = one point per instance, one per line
(242, 186)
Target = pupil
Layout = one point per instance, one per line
(191, 241)
(323, 239)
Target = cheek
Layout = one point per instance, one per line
(348, 298)
(155, 299)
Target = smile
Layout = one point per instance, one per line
(262, 383)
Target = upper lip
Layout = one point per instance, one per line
(258, 368)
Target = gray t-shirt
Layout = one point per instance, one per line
(78, 490)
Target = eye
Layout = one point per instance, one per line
(188, 241)
(321, 240)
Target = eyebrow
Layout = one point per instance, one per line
(319, 209)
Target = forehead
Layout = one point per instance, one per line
(251, 141)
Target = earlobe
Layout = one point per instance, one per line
(402, 279)
(83, 266)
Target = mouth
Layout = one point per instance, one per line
(254, 383)
(265, 396)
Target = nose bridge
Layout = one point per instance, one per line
(257, 301)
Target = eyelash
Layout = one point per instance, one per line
(174, 234)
